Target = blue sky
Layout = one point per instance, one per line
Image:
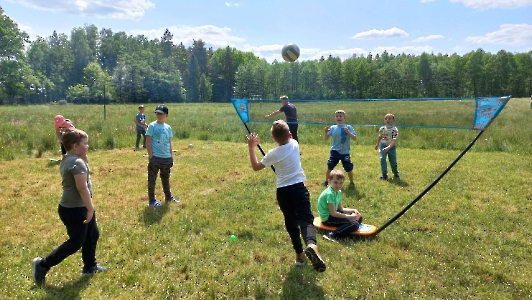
(338, 27)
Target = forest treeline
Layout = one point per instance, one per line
(102, 66)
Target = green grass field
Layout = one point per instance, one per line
(469, 237)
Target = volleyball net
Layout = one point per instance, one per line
(445, 113)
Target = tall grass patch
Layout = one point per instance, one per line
(30, 128)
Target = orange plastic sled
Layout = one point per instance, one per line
(363, 229)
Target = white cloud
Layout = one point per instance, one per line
(406, 49)
(459, 49)
(273, 52)
(428, 38)
(268, 52)
(112, 9)
(313, 54)
(508, 34)
(378, 34)
(229, 4)
(487, 4)
(212, 35)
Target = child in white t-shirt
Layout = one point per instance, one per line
(292, 195)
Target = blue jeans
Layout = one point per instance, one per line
(392, 157)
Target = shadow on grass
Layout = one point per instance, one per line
(152, 215)
(300, 283)
(398, 182)
(346, 240)
(69, 290)
(353, 193)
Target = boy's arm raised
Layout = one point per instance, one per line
(253, 141)
(326, 129)
(350, 133)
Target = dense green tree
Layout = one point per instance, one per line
(167, 44)
(193, 80)
(330, 77)
(110, 48)
(245, 87)
(180, 58)
(474, 72)
(99, 83)
(199, 51)
(59, 65)
(224, 64)
(425, 75)
(15, 74)
(81, 52)
(273, 80)
(309, 78)
(521, 83)
(205, 89)
(37, 55)
(457, 84)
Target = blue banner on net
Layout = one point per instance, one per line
(487, 109)
(241, 106)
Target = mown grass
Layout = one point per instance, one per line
(467, 238)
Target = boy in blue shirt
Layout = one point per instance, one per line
(159, 146)
(342, 135)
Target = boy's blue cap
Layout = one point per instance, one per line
(161, 108)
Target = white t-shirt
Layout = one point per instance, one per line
(388, 134)
(287, 164)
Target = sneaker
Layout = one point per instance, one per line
(154, 203)
(352, 185)
(95, 269)
(317, 262)
(300, 259)
(172, 199)
(329, 236)
(325, 183)
(396, 176)
(384, 177)
(39, 272)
